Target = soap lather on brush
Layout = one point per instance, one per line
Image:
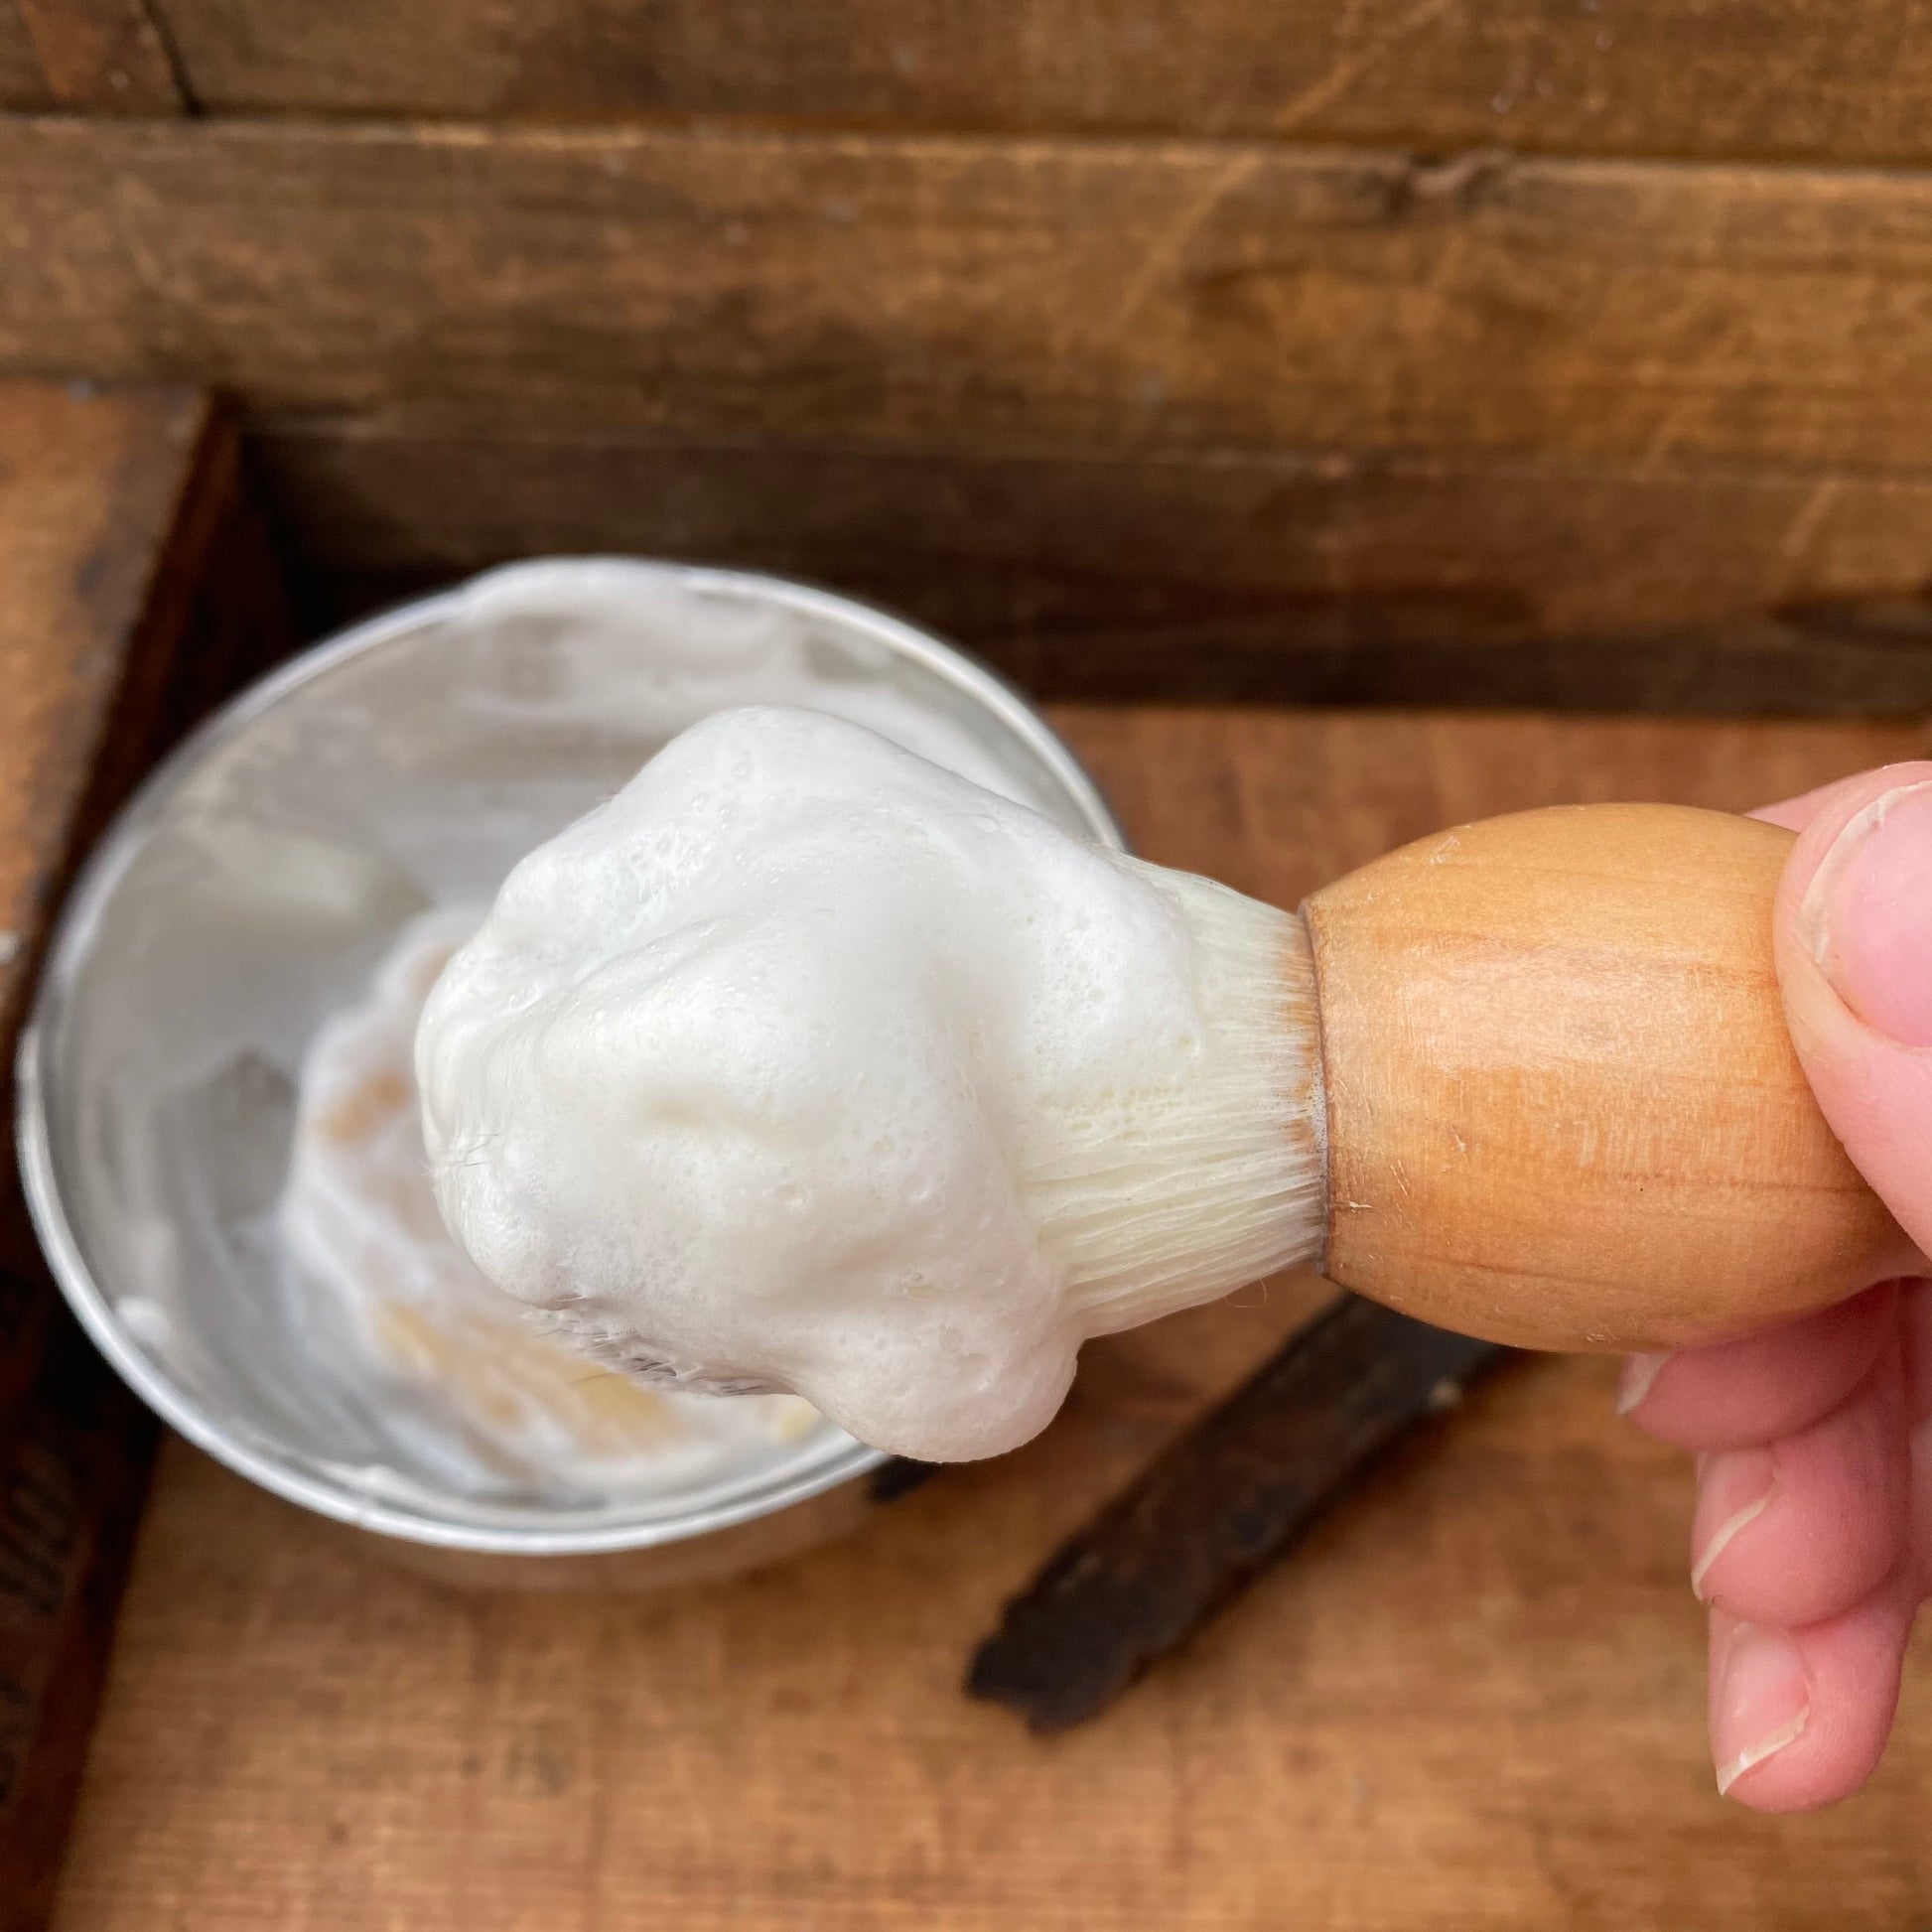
(804, 1064)
(389, 1304)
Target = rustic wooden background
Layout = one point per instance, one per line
(1561, 350)
(1558, 352)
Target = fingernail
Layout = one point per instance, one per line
(1869, 914)
(1762, 1702)
(1639, 1376)
(1735, 1489)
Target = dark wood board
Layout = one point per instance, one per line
(1269, 577)
(1472, 1699)
(93, 487)
(112, 510)
(981, 295)
(96, 57)
(1779, 79)
(1223, 1502)
(23, 84)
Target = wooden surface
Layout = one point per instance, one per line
(1018, 294)
(106, 504)
(1549, 351)
(1472, 1699)
(100, 57)
(1275, 576)
(23, 84)
(1777, 78)
(1221, 1503)
(108, 507)
(1133, 417)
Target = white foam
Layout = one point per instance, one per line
(372, 1254)
(803, 1064)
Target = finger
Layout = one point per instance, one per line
(1915, 1330)
(1799, 1717)
(1794, 815)
(1853, 945)
(1809, 1526)
(1768, 1386)
(1915, 1333)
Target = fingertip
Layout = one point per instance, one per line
(1739, 1394)
(1807, 1527)
(1794, 815)
(1735, 1489)
(1760, 1700)
(1799, 1719)
(1636, 1379)
(1849, 933)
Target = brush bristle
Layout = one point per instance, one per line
(1187, 1193)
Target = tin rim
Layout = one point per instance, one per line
(72, 943)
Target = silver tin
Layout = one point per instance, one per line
(246, 891)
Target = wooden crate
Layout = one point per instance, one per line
(1563, 352)
(1559, 352)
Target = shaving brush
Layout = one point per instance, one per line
(1560, 1107)
(805, 1064)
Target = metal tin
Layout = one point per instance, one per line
(248, 889)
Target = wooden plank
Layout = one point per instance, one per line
(983, 295)
(1221, 1505)
(1779, 79)
(23, 86)
(1314, 579)
(1473, 1698)
(102, 57)
(89, 491)
(110, 508)
(91, 487)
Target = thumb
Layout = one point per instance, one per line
(1854, 938)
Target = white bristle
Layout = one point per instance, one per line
(1188, 1192)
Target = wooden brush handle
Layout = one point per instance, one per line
(1563, 1108)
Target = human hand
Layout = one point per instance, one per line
(1811, 1542)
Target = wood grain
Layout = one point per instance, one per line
(1005, 295)
(91, 488)
(23, 85)
(1780, 78)
(102, 57)
(1564, 1109)
(1322, 578)
(109, 506)
(1473, 1698)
